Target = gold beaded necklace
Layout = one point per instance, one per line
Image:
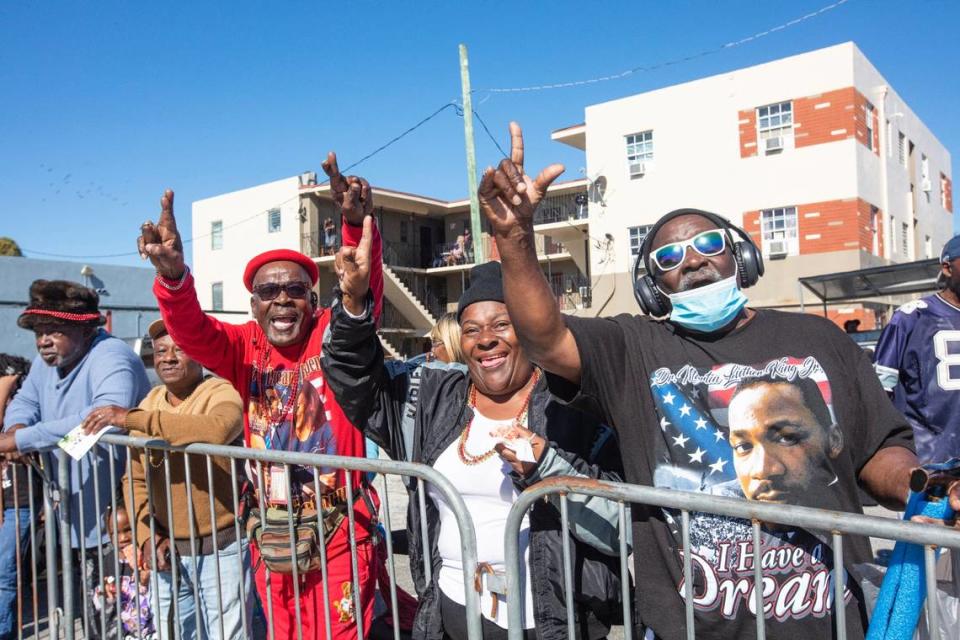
(470, 459)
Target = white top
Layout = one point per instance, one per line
(488, 493)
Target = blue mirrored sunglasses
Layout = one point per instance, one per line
(707, 243)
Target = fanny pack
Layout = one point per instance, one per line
(272, 531)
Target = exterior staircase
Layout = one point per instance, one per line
(389, 349)
(406, 302)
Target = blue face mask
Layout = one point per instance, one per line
(708, 308)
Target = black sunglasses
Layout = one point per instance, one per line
(271, 290)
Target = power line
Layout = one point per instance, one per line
(660, 65)
(276, 206)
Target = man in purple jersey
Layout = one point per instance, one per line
(918, 361)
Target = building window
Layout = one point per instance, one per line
(875, 229)
(927, 247)
(775, 127)
(216, 235)
(637, 235)
(779, 232)
(273, 221)
(904, 245)
(868, 123)
(902, 148)
(639, 152)
(925, 185)
(216, 296)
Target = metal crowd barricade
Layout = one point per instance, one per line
(834, 522)
(69, 604)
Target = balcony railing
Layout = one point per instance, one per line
(432, 296)
(571, 291)
(572, 206)
(318, 243)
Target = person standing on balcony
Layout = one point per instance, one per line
(187, 408)
(329, 237)
(470, 423)
(79, 370)
(665, 383)
(274, 362)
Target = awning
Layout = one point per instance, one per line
(875, 282)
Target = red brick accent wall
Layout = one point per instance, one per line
(748, 132)
(867, 317)
(947, 185)
(751, 224)
(835, 225)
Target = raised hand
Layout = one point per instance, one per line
(508, 196)
(352, 194)
(161, 242)
(353, 270)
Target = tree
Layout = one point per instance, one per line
(9, 247)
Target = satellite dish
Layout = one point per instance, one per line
(598, 188)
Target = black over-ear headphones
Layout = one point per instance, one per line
(747, 255)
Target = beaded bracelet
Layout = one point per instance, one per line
(169, 287)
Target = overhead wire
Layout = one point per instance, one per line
(667, 63)
(379, 149)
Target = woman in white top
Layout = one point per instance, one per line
(471, 426)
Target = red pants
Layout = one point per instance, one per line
(341, 606)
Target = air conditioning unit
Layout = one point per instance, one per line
(638, 169)
(773, 145)
(777, 248)
(925, 185)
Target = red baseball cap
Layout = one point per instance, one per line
(279, 255)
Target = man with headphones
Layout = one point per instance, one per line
(665, 382)
(274, 363)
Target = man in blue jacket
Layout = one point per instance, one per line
(80, 368)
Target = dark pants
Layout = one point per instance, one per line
(454, 618)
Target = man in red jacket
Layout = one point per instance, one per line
(274, 362)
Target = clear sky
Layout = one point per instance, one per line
(104, 104)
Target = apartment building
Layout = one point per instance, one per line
(428, 251)
(816, 156)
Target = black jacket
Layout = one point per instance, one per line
(373, 396)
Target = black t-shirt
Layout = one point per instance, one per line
(783, 409)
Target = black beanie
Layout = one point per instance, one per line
(486, 283)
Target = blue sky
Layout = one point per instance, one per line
(105, 104)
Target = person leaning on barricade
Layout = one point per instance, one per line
(665, 383)
(492, 431)
(80, 368)
(274, 363)
(18, 487)
(187, 408)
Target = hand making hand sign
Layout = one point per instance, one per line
(352, 193)
(509, 196)
(161, 242)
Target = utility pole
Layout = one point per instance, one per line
(475, 227)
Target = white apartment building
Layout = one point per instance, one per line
(426, 255)
(815, 155)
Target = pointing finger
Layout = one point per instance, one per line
(516, 145)
(366, 239)
(333, 171)
(141, 247)
(546, 178)
(166, 208)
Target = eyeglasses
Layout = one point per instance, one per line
(707, 243)
(271, 290)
